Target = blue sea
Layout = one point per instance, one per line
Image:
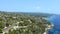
(56, 21)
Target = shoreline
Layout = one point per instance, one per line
(48, 28)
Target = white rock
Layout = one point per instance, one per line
(44, 33)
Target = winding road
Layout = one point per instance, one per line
(15, 25)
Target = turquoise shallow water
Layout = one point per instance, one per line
(56, 21)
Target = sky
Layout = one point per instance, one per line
(45, 6)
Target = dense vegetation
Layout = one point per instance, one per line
(27, 24)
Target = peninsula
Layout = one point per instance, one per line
(23, 23)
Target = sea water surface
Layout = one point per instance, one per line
(56, 21)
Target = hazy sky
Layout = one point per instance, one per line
(47, 6)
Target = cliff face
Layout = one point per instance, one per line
(15, 23)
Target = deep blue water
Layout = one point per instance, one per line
(56, 21)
